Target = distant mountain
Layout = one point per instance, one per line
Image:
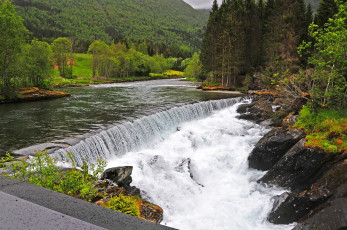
(171, 22)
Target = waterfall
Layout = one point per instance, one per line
(141, 133)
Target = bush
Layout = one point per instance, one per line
(326, 129)
(127, 205)
(42, 170)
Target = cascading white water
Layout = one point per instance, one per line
(199, 175)
(141, 133)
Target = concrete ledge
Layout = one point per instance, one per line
(79, 209)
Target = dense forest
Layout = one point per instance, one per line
(171, 23)
(32, 63)
(255, 45)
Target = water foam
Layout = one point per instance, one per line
(200, 175)
(141, 133)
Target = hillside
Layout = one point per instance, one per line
(172, 22)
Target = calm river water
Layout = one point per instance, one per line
(91, 108)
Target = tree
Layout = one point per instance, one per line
(326, 9)
(194, 68)
(329, 85)
(100, 51)
(62, 54)
(12, 34)
(38, 62)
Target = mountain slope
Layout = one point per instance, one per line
(172, 22)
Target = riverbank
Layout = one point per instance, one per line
(34, 94)
(65, 83)
(316, 177)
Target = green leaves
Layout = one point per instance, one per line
(62, 54)
(329, 61)
(42, 170)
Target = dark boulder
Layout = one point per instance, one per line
(120, 175)
(290, 207)
(259, 110)
(272, 147)
(329, 216)
(299, 168)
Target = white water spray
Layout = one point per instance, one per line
(141, 133)
(200, 176)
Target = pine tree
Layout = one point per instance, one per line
(326, 9)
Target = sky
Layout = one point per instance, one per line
(201, 4)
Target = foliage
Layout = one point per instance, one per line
(62, 54)
(194, 68)
(329, 85)
(101, 52)
(167, 22)
(12, 34)
(37, 63)
(243, 36)
(124, 204)
(325, 129)
(42, 170)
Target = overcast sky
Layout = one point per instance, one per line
(201, 4)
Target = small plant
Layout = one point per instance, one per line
(43, 171)
(124, 204)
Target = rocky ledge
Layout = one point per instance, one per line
(35, 94)
(316, 179)
(116, 181)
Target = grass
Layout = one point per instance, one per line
(82, 72)
(325, 129)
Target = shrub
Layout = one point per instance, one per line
(127, 205)
(325, 129)
(43, 171)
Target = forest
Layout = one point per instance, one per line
(249, 45)
(32, 63)
(169, 25)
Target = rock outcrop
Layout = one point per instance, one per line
(317, 179)
(148, 211)
(119, 175)
(299, 168)
(259, 110)
(272, 147)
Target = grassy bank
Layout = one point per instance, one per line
(325, 129)
(82, 72)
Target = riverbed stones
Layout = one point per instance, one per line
(272, 147)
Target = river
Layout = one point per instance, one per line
(188, 149)
(91, 108)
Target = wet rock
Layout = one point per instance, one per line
(329, 216)
(289, 121)
(274, 145)
(259, 110)
(119, 175)
(299, 168)
(151, 212)
(133, 190)
(289, 208)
